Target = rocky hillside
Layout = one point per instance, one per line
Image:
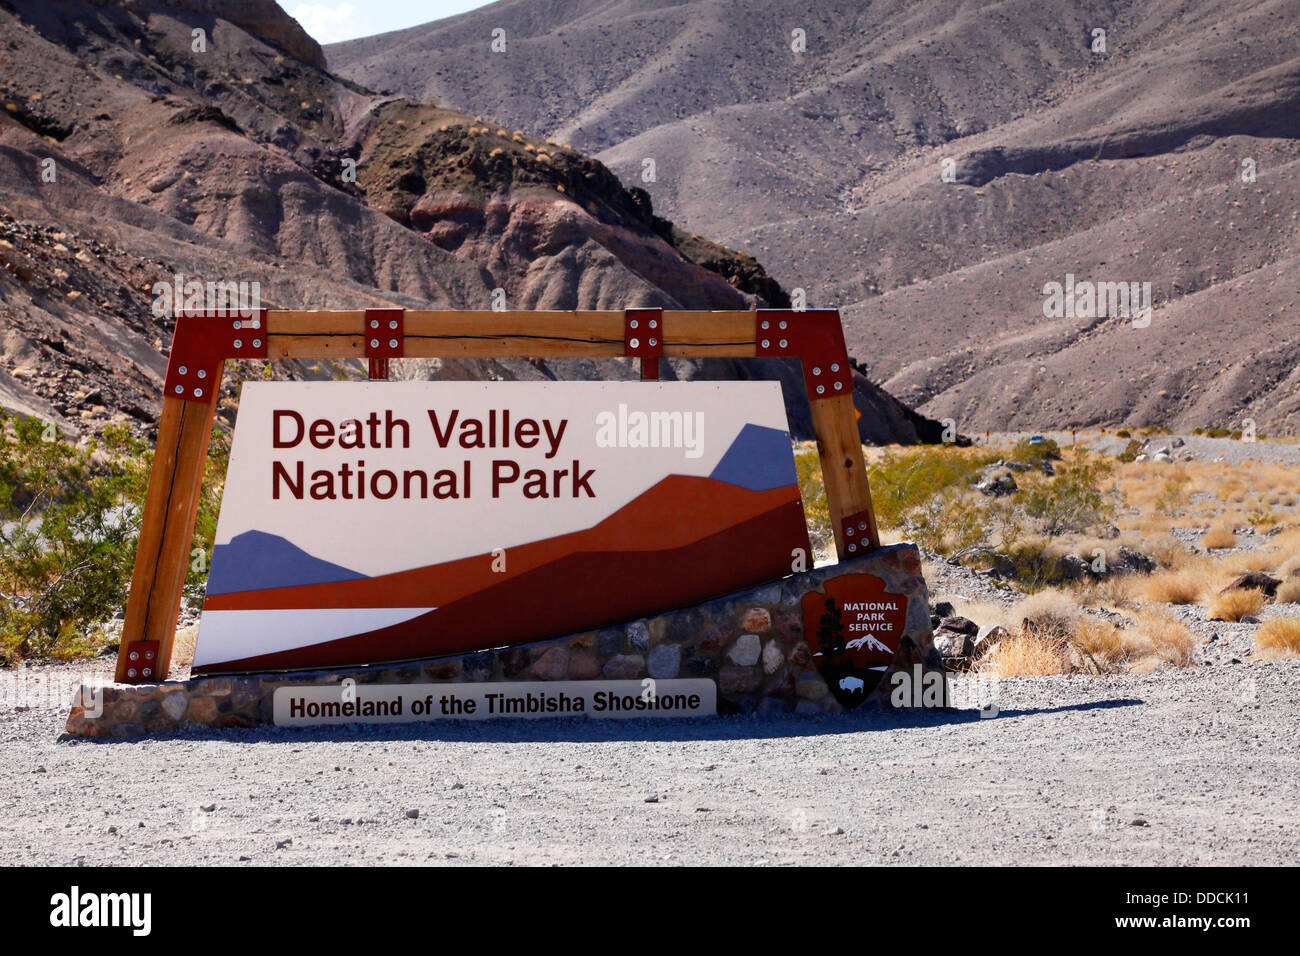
(929, 167)
(206, 138)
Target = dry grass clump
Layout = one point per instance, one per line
(1289, 567)
(1185, 585)
(1279, 637)
(1166, 550)
(1220, 536)
(1288, 592)
(1101, 643)
(1027, 655)
(987, 614)
(1169, 639)
(1264, 559)
(1235, 604)
(1114, 590)
(1050, 613)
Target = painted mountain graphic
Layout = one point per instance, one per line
(758, 459)
(256, 560)
(683, 541)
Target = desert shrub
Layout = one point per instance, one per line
(1169, 639)
(1027, 655)
(69, 519)
(1073, 499)
(1261, 518)
(67, 535)
(1218, 537)
(1185, 585)
(1049, 613)
(1131, 450)
(1235, 604)
(1173, 496)
(1034, 454)
(1100, 643)
(816, 508)
(1288, 591)
(1279, 637)
(929, 496)
(904, 481)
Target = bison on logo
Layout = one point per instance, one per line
(854, 630)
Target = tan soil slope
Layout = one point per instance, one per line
(229, 164)
(827, 166)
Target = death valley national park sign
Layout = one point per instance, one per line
(376, 522)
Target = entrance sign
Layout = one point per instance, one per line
(366, 523)
(414, 703)
(854, 630)
(202, 342)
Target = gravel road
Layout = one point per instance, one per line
(1193, 767)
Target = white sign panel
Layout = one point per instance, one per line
(386, 521)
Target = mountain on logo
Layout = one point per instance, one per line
(868, 642)
(255, 560)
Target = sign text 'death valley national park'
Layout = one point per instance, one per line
(378, 522)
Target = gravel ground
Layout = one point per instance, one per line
(1193, 767)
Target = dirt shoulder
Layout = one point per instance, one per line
(1207, 759)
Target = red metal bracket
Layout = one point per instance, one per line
(857, 531)
(142, 660)
(202, 341)
(643, 338)
(816, 337)
(385, 332)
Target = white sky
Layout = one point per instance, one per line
(331, 21)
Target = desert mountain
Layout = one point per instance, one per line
(930, 167)
(207, 139)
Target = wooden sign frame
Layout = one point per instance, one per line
(204, 341)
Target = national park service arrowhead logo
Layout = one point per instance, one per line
(854, 628)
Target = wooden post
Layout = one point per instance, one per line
(162, 555)
(844, 473)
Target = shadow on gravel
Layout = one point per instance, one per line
(597, 730)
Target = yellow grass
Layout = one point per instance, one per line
(1114, 590)
(1218, 537)
(1101, 642)
(1235, 604)
(1026, 655)
(1185, 585)
(1050, 612)
(1279, 637)
(1288, 591)
(1169, 639)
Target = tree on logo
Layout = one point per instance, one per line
(830, 632)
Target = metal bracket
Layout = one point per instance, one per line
(643, 338)
(202, 341)
(385, 334)
(857, 531)
(142, 660)
(816, 337)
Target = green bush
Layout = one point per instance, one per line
(69, 520)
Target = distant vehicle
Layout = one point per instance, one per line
(1036, 439)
